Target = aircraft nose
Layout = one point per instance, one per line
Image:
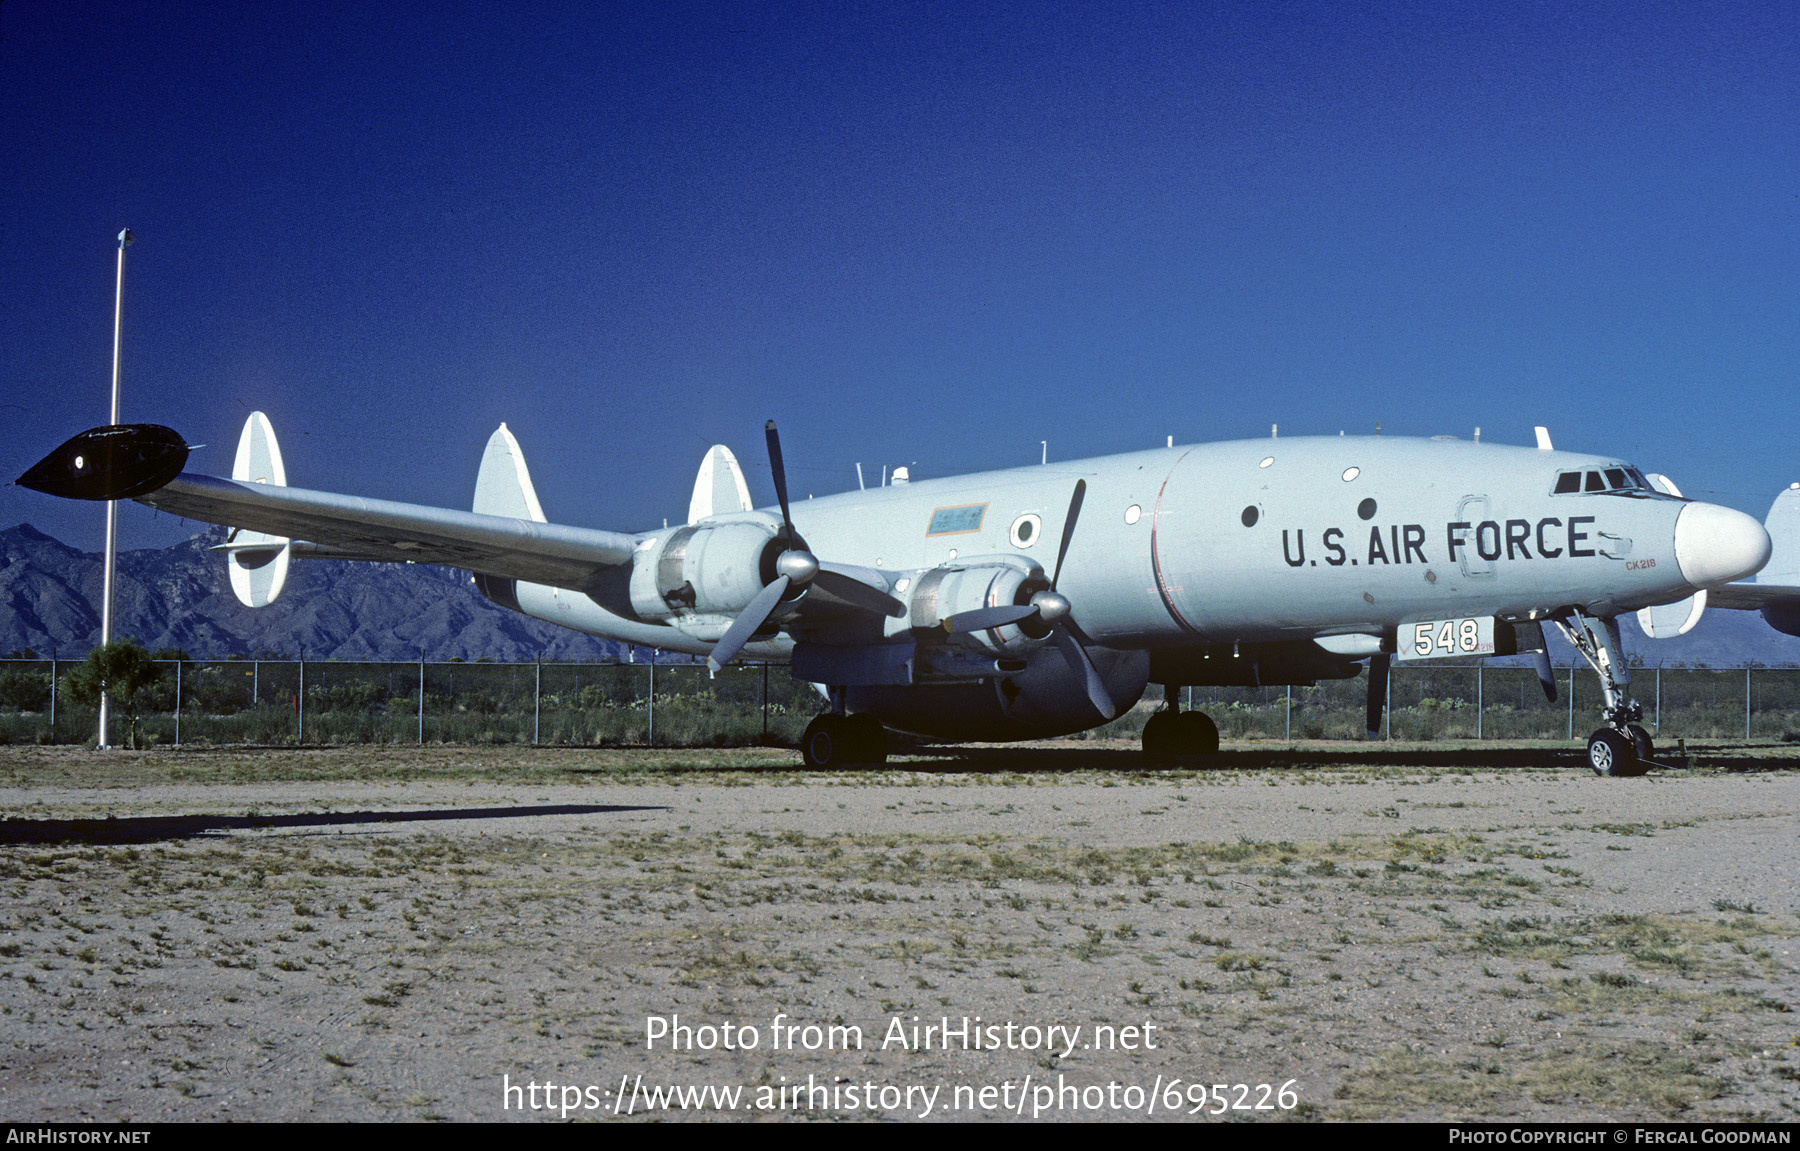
(1715, 545)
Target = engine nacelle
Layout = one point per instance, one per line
(712, 569)
(984, 581)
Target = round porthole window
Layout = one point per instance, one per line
(1250, 516)
(1025, 530)
(1351, 473)
(1266, 461)
(1366, 510)
(1133, 513)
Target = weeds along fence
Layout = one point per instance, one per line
(288, 701)
(679, 705)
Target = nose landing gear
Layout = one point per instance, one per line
(1622, 747)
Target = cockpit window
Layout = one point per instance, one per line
(1613, 480)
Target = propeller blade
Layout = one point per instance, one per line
(857, 593)
(1378, 685)
(1546, 677)
(1062, 548)
(774, 438)
(748, 622)
(983, 618)
(1077, 655)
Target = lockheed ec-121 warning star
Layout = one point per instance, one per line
(1045, 600)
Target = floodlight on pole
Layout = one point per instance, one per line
(112, 506)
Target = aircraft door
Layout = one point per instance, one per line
(1480, 536)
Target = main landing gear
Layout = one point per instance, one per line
(1622, 747)
(836, 739)
(1172, 732)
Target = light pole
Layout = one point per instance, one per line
(112, 506)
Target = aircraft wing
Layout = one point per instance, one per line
(353, 527)
(1751, 596)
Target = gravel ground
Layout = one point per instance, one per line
(359, 934)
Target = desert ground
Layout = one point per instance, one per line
(1423, 932)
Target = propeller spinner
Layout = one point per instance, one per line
(795, 569)
(1052, 610)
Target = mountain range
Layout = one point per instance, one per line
(179, 597)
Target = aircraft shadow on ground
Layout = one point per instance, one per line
(154, 828)
(1046, 760)
(1043, 759)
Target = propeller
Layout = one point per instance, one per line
(1378, 685)
(1052, 608)
(795, 569)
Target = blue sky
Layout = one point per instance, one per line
(917, 234)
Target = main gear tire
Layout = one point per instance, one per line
(826, 742)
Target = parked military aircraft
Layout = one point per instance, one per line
(1044, 600)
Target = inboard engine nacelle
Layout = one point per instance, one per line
(940, 593)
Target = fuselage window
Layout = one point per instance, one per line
(1568, 483)
(1595, 482)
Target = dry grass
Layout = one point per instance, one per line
(1451, 960)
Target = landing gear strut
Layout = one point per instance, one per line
(1172, 732)
(1622, 747)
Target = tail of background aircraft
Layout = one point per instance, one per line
(1783, 526)
(258, 563)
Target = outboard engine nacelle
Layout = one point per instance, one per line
(712, 568)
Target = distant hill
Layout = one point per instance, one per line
(180, 596)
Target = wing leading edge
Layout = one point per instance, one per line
(383, 530)
(143, 462)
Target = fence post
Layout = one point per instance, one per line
(537, 695)
(421, 698)
(1657, 722)
(1478, 668)
(1746, 703)
(650, 738)
(300, 707)
(765, 701)
(1571, 701)
(177, 703)
(53, 698)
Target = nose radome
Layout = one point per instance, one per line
(1715, 545)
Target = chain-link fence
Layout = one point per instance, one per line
(288, 701)
(1479, 701)
(679, 705)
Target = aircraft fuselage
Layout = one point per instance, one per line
(1278, 539)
